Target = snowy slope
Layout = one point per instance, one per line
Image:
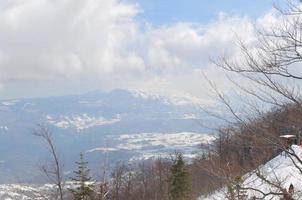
(280, 169)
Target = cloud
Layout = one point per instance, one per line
(191, 45)
(44, 39)
(101, 41)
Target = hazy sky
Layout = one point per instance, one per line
(57, 47)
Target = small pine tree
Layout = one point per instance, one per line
(82, 179)
(180, 181)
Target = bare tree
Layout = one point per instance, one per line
(117, 175)
(145, 174)
(162, 174)
(272, 69)
(102, 189)
(53, 169)
(129, 184)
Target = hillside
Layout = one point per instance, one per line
(280, 169)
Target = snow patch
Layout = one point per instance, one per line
(10, 103)
(190, 116)
(23, 192)
(3, 128)
(180, 99)
(149, 145)
(167, 140)
(102, 149)
(81, 122)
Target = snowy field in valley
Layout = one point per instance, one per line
(148, 145)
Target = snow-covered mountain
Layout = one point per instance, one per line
(281, 171)
(126, 124)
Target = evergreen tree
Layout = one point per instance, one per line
(82, 180)
(180, 181)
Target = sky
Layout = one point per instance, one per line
(61, 47)
(161, 12)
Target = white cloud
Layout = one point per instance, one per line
(102, 42)
(43, 39)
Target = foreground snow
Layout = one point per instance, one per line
(280, 169)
